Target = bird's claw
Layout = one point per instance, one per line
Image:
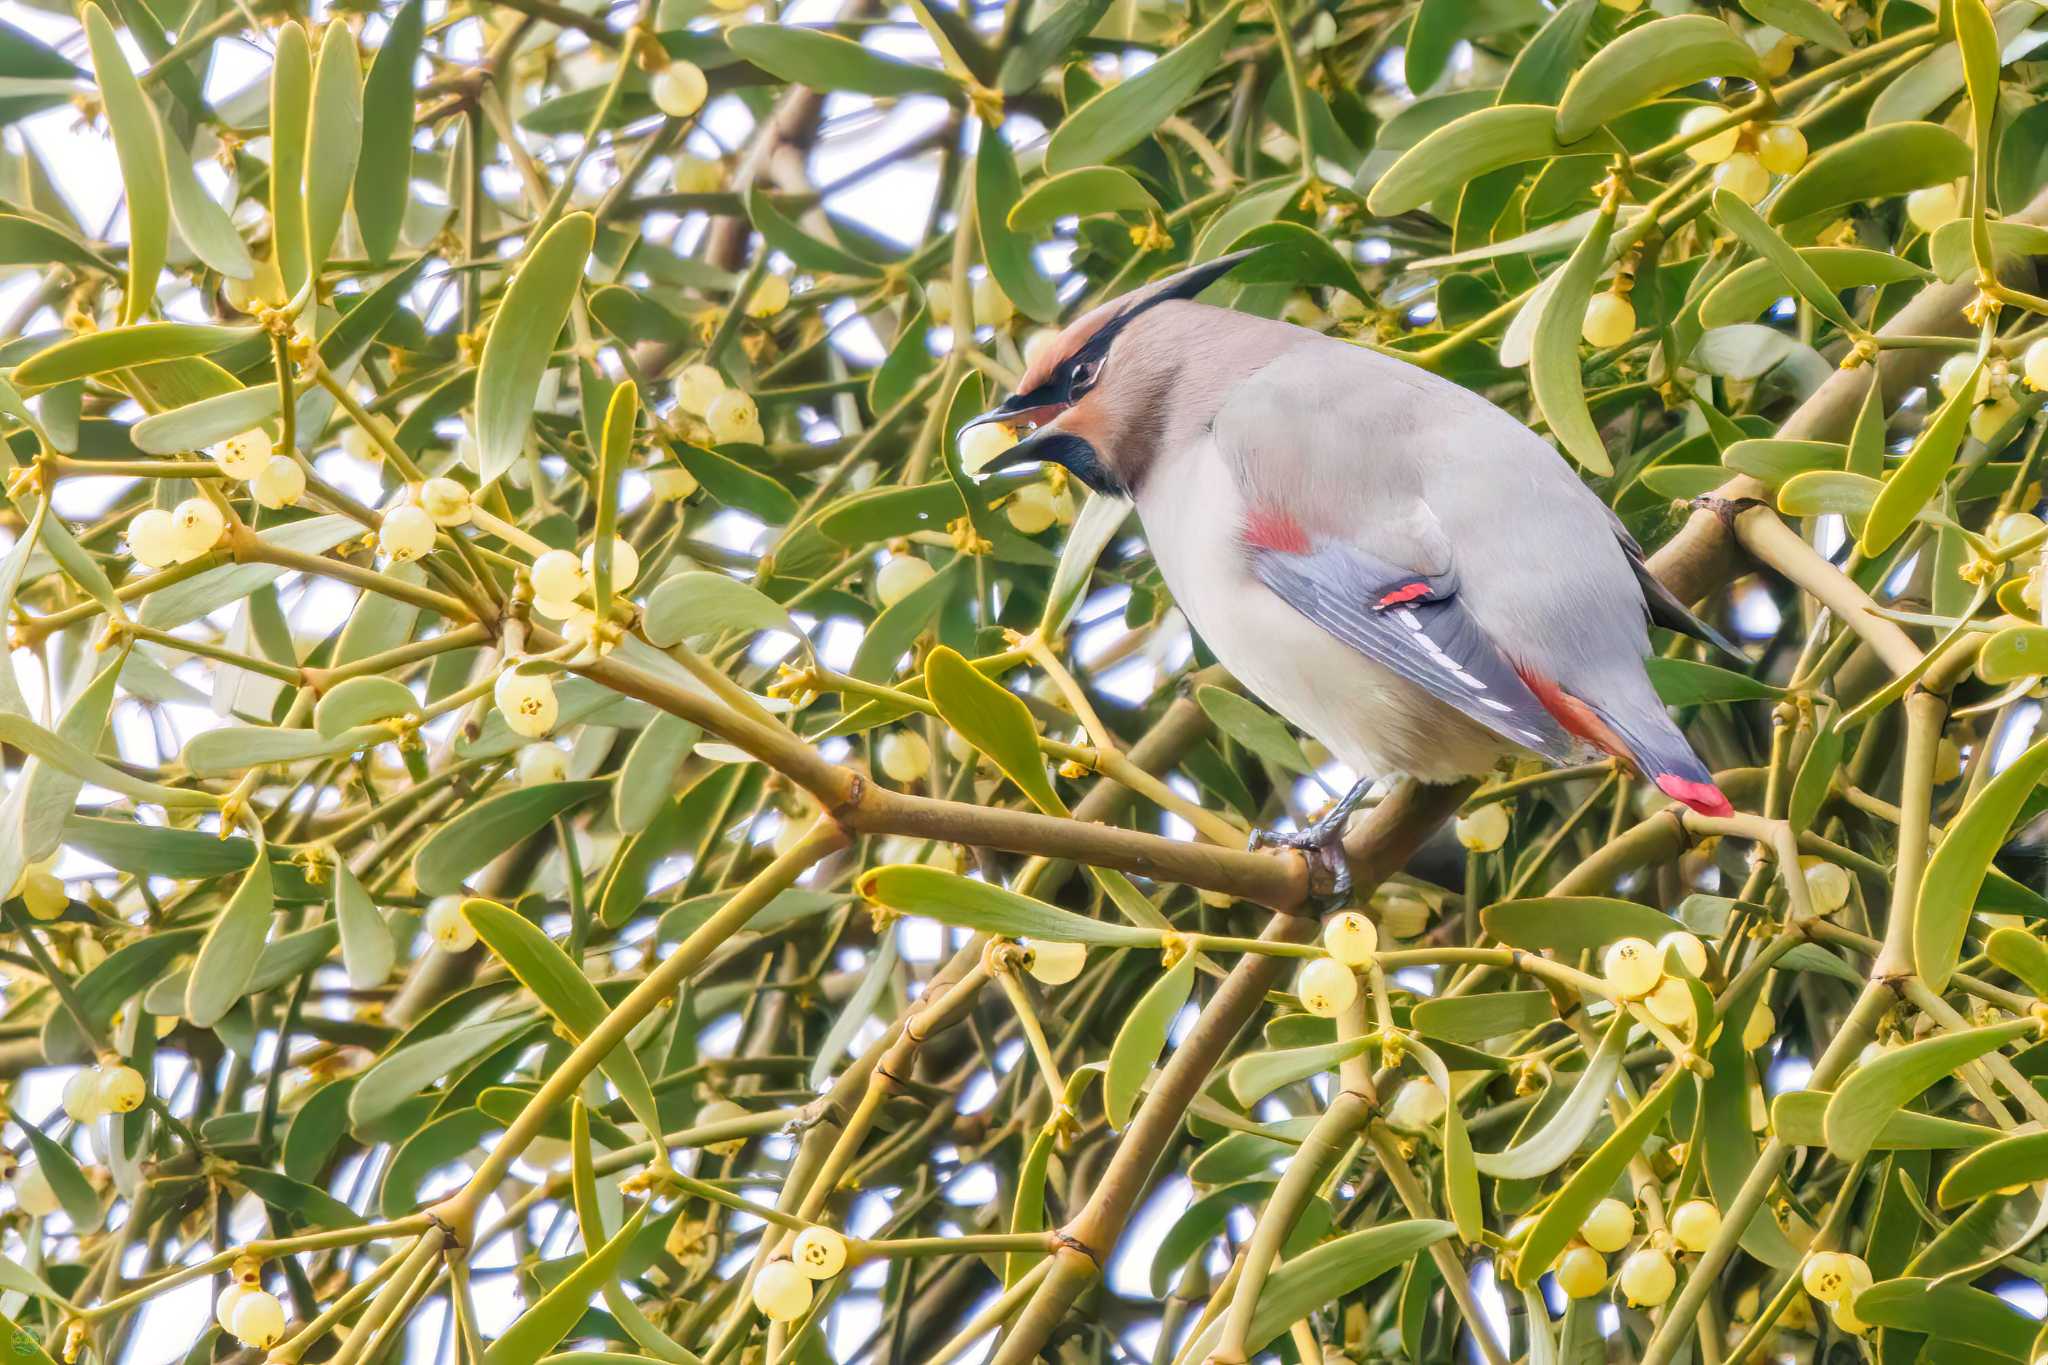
(1322, 844)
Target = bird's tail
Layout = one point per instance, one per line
(1661, 753)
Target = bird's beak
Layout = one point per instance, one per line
(1016, 411)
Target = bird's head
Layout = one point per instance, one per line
(1095, 402)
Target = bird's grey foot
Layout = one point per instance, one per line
(1323, 841)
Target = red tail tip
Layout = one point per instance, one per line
(1703, 797)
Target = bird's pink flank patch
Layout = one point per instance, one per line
(1704, 797)
(1407, 592)
(1269, 528)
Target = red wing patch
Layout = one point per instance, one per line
(1574, 715)
(1269, 528)
(1407, 592)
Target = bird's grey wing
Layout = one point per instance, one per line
(1662, 604)
(1413, 625)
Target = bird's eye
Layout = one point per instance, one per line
(1081, 379)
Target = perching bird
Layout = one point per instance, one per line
(1391, 562)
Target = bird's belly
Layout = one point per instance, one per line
(1370, 719)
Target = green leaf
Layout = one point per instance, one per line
(1560, 1137)
(2007, 1164)
(1258, 1074)
(384, 172)
(2014, 653)
(647, 777)
(368, 950)
(1294, 254)
(1772, 462)
(67, 1181)
(1744, 221)
(280, 1191)
(1647, 61)
(1958, 1314)
(827, 62)
(483, 831)
(44, 793)
(733, 484)
(1125, 114)
(1591, 1182)
(810, 253)
(203, 223)
(1554, 375)
(96, 353)
(1802, 19)
(1687, 682)
(419, 1155)
(1476, 144)
(227, 959)
(540, 1328)
(103, 990)
(1915, 482)
(1876, 1090)
(687, 605)
(1748, 290)
(1460, 1171)
(291, 115)
(334, 140)
(2019, 952)
(994, 720)
(615, 450)
(564, 992)
(412, 1066)
(232, 749)
(1567, 925)
(1253, 726)
(1324, 1274)
(1476, 1018)
(39, 743)
(198, 425)
(1824, 492)
(141, 156)
(25, 241)
(1077, 194)
(522, 341)
(967, 904)
(362, 701)
(1140, 1037)
(1950, 253)
(1004, 243)
(1876, 163)
(1955, 872)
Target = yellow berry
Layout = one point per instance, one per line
(1714, 150)
(903, 756)
(1633, 966)
(782, 1292)
(900, 576)
(153, 538)
(1694, 1223)
(734, 419)
(1055, 963)
(1670, 1003)
(542, 762)
(1030, 509)
(1989, 420)
(698, 175)
(1827, 1276)
(625, 564)
(1039, 345)
(279, 484)
(1647, 1277)
(82, 1096)
(1417, 1105)
(1948, 760)
(1928, 209)
(1326, 987)
(1743, 176)
(1782, 148)
(1845, 1317)
(679, 89)
(558, 576)
(243, 455)
(697, 387)
(1760, 1027)
(1827, 884)
(44, 894)
(528, 701)
(405, 533)
(259, 1319)
(1610, 320)
(671, 483)
(446, 923)
(1352, 939)
(1485, 829)
(992, 307)
(819, 1253)
(979, 445)
(446, 501)
(1581, 1272)
(197, 524)
(1608, 1226)
(770, 296)
(722, 1111)
(32, 1192)
(1689, 951)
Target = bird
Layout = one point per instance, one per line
(1397, 566)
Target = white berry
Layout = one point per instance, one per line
(671, 483)
(1326, 987)
(1928, 209)
(446, 923)
(900, 576)
(903, 756)
(539, 763)
(734, 419)
(528, 701)
(697, 387)
(82, 1096)
(1417, 1105)
(1054, 963)
(1352, 939)
(1608, 1226)
(819, 1253)
(782, 1292)
(197, 525)
(32, 1192)
(280, 483)
(405, 533)
(153, 538)
(259, 1319)
(558, 576)
(1743, 176)
(679, 89)
(979, 445)
(625, 564)
(1632, 966)
(1691, 953)
(446, 501)
(1485, 829)
(1030, 509)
